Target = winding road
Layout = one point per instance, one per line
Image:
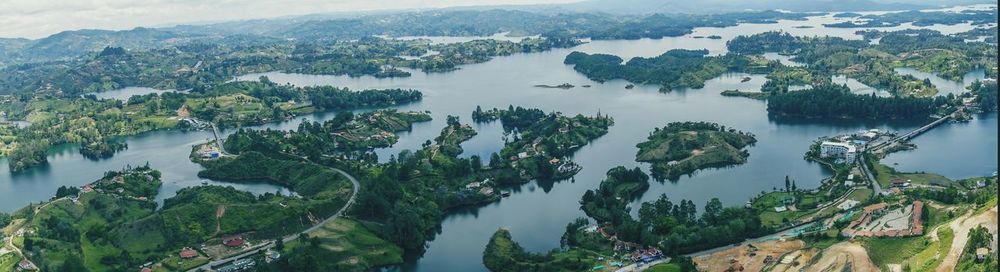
(288, 238)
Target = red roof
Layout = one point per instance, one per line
(145, 269)
(188, 253)
(233, 241)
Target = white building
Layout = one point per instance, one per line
(838, 150)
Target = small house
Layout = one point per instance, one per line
(233, 241)
(981, 253)
(188, 253)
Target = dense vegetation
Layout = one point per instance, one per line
(986, 95)
(873, 64)
(503, 254)
(674, 228)
(675, 69)
(94, 124)
(837, 101)
(682, 148)
(540, 143)
(921, 18)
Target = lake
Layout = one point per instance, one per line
(537, 212)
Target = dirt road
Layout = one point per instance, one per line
(961, 226)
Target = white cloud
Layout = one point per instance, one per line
(40, 18)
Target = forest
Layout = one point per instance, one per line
(675, 69)
(837, 101)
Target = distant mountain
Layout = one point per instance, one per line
(724, 6)
(74, 43)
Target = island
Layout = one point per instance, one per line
(560, 86)
(88, 121)
(674, 69)
(541, 143)
(684, 147)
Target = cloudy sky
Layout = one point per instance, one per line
(39, 18)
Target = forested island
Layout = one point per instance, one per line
(673, 228)
(873, 64)
(675, 69)
(540, 143)
(837, 101)
(95, 124)
(684, 147)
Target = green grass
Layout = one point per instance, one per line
(664, 267)
(774, 219)
(8, 262)
(884, 251)
(349, 243)
(932, 256)
(886, 175)
(861, 195)
(175, 263)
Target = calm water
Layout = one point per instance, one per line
(537, 213)
(125, 93)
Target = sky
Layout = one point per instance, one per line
(39, 18)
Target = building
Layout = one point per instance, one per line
(26, 265)
(233, 241)
(981, 253)
(846, 151)
(188, 253)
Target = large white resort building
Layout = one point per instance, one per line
(846, 151)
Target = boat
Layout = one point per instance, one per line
(505, 194)
(745, 79)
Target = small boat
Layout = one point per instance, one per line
(745, 79)
(505, 194)
(630, 86)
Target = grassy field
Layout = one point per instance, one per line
(350, 243)
(175, 263)
(860, 195)
(886, 175)
(885, 251)
(665, 267)
(8, 262)
(932, 256)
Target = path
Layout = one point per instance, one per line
(844, 256)
(20, 231)
(961, 226)
(636, 267)
(289, 238)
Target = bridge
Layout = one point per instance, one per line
(912, 134)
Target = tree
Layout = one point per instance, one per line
(787, 184)
(73, 263)
(713, 212)
(279, 244)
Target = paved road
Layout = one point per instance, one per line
(268, 245)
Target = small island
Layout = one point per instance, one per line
(747, 94)
(684, 147)
(560, 86)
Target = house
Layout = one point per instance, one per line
(981, 253)
(472, 185)
(486, 191)
(554, 161)
(899, 183)
(26, 265)
(850, 181)
(145, 269)
(981, 183)
(233, 241)
(188, 253)
(780, 209)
